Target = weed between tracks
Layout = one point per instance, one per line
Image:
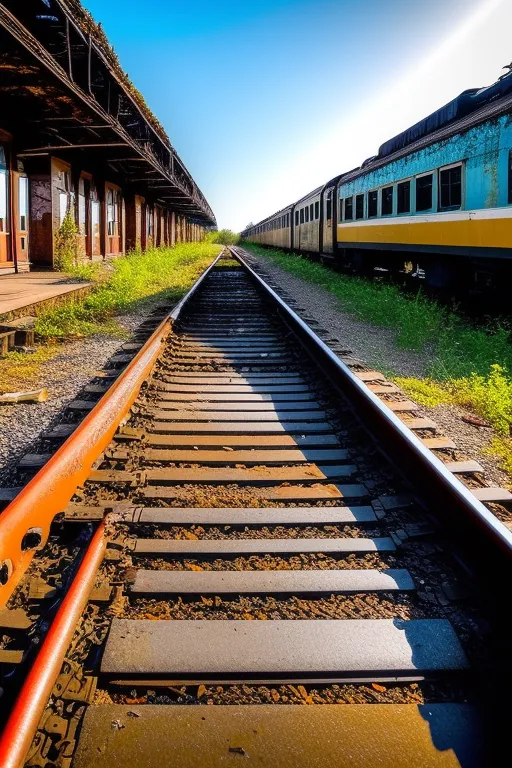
(470, 366)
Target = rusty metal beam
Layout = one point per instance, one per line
(61, 147)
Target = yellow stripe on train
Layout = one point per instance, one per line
(473, 230)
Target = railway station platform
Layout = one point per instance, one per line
(30, 292)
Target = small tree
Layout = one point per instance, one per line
(226, 237)
(68, 245)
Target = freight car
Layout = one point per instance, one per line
(435, 202)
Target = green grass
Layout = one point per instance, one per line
(470, 366)
(135, 281)
(20, 371)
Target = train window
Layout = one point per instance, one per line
(302, 215)
(387, 201)
(404, 197)
(348, 205)
(510, 177)
(359, 206)
(317, 209)
(372, 204)
(328, 213)
(450, 188)
(306, 214)
(311, 215)
(424, 192)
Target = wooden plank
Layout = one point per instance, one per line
(258, 457)
(293, 493)
(241, 416)
(284, 736)
(270, 582)
(249, 377)
(400, 405)
(206, 396)
(216, 386)
(438, 443)
(418, 424)
(240, 427)
(237, 648)
(240, 547)
(464, 467)
(249, 476)
(492, 494)
(370, 376)
(266, 406)
(256, 516)
(242, 441)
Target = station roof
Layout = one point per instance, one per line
(63, 92)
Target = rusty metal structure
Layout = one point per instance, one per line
(77, 137)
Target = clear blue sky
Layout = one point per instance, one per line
(266, 99)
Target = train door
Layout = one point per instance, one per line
(6, 257)
(327, 244)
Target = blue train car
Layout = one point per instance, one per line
(435, 201)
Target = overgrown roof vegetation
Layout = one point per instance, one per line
(88, 25)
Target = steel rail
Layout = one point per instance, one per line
(404, 449)
(29, 706)
(25, 523)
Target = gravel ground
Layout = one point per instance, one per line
(376, 347)
(64, 376)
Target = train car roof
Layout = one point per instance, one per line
(464, 104)
(487, 112)
(310, 194)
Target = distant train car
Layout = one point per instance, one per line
(306, 229)
(274, 231)
(435, 201)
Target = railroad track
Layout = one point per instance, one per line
(262, 535)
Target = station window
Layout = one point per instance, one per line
(82, 208)
(302, 215)
(450, 188)
(4, 192)
(317, 209)
(387, 201)
(348, 206)
(113, 215)
(372, 204)
(424, 192)
(404, 197)
(65, 195)
(359, 206)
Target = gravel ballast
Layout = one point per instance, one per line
(64, 376)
